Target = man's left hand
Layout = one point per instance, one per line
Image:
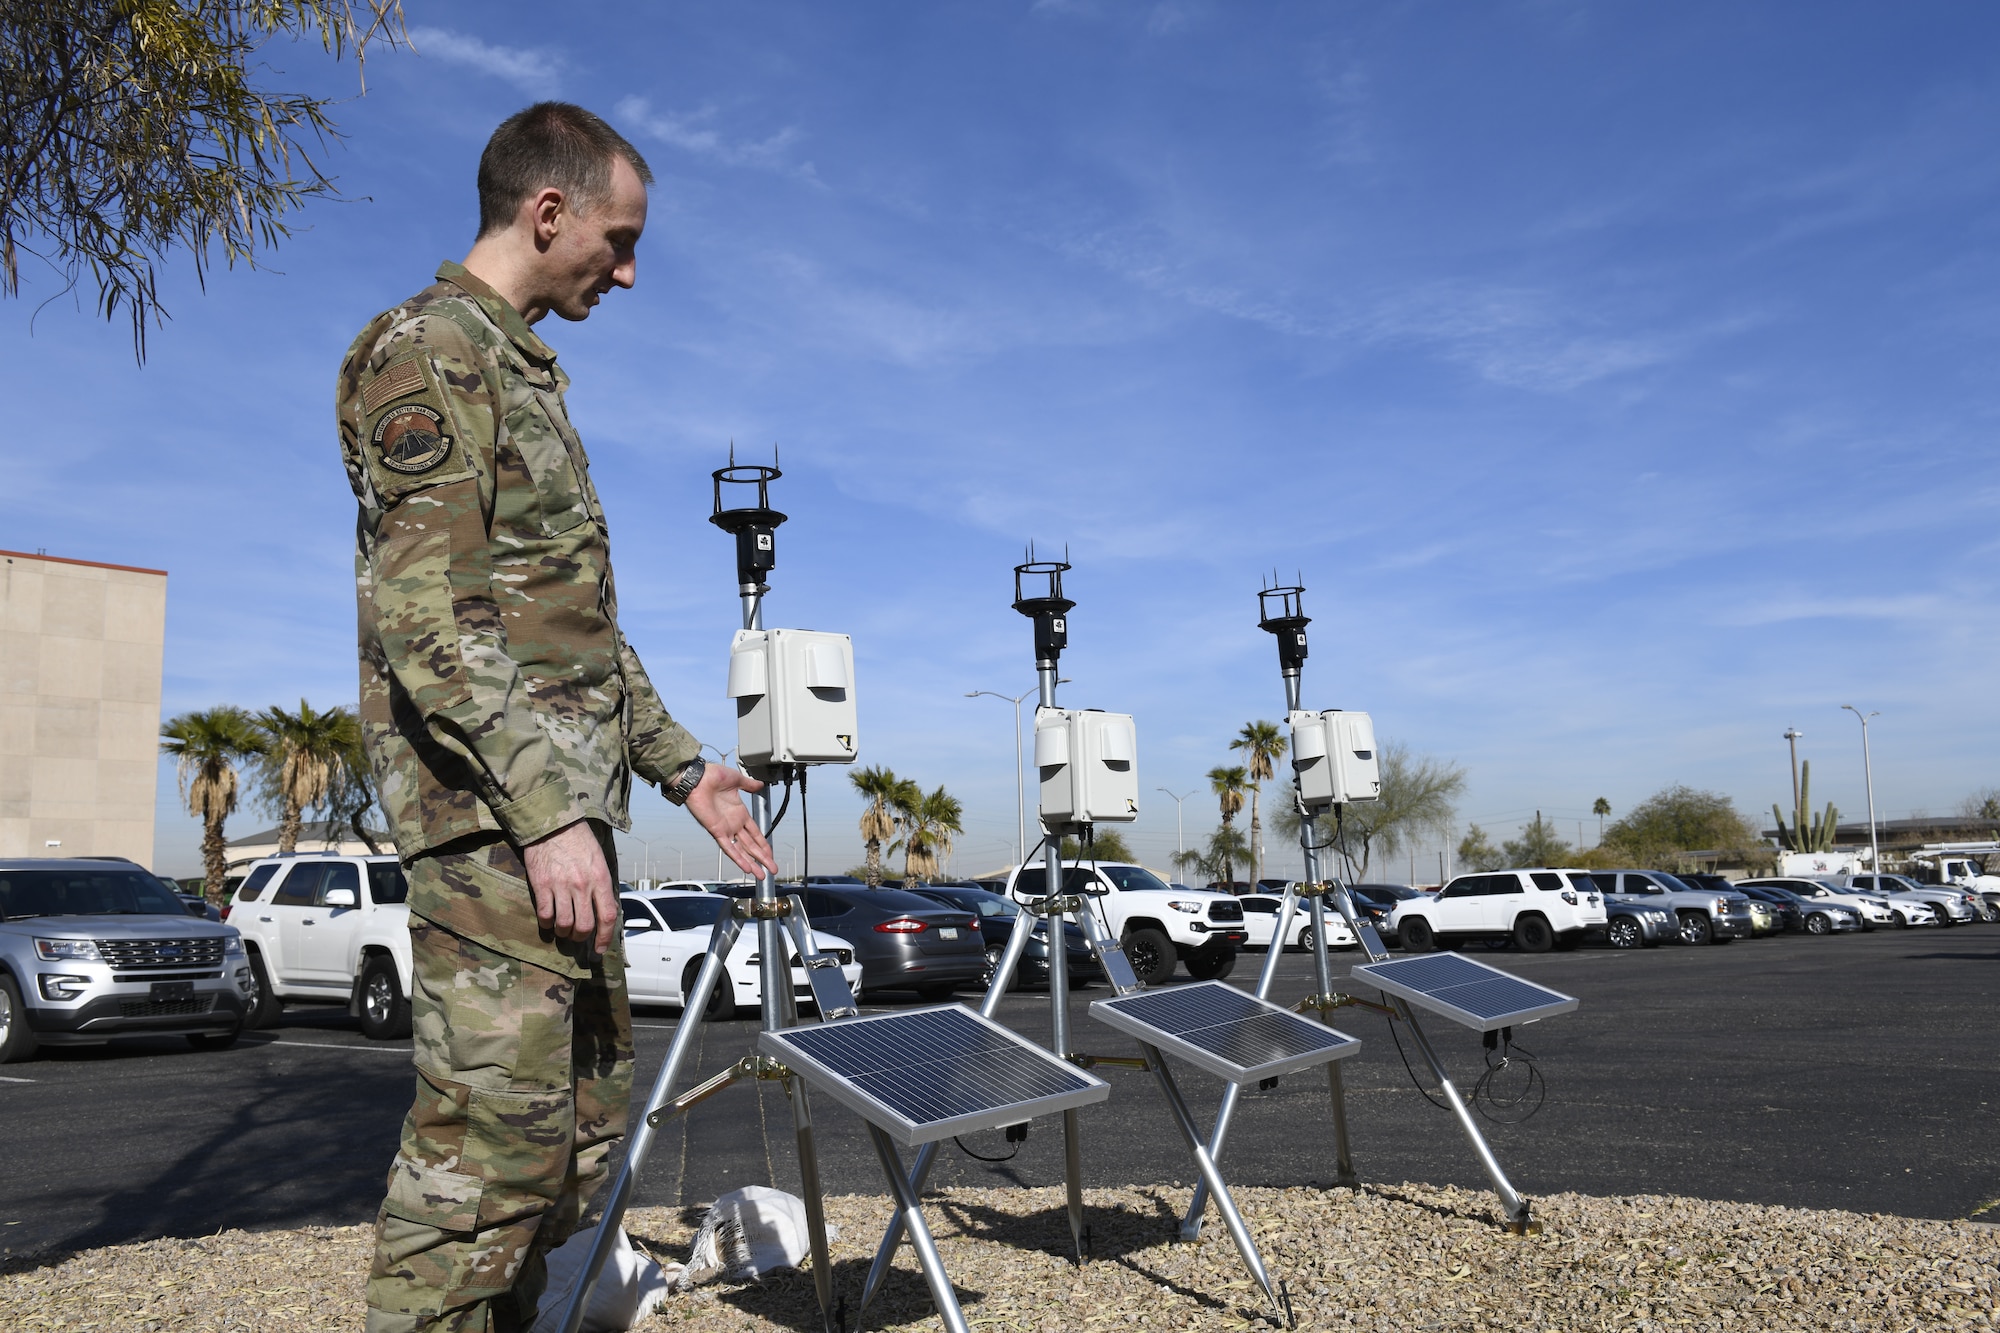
(715, 805)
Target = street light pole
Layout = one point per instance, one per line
(646, 866)
(1020, 800)
(1180, 843)
(1868, 772)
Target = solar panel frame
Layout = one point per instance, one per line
(876, 1064)
(1474, 994)
(1172, 1019)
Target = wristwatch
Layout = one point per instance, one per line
(685, 779)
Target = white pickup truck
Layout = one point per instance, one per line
(1157, 924)
(327, 930)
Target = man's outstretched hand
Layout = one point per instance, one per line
(574, 895)
(715, 805)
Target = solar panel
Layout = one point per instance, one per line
(1218, 1028)
(925, 1074)
(1466, 992)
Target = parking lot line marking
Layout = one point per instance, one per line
(16, 1080)
(341, 1046)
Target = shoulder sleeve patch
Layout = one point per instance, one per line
(409, 434)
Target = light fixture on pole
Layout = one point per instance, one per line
(1180, 843)
(1868, 774)
(646, 866)
(1793, 735)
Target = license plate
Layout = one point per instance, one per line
(947, 932)
(165, 991)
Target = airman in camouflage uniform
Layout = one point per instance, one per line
(500, 706)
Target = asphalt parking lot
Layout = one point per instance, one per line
(1859, 1073)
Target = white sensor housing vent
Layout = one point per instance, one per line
(794, 693)
(1333, 754)
(1088, 764)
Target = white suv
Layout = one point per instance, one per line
(329, 930)
(1158, 924)
(1538, 909)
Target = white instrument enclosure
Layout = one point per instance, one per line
(1088, 763)
(794, 693)
(1333, 754)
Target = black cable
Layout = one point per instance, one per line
(981, 1157)
(785, 805)
(1411, 1068)
(805, 832)
(1503, 1056)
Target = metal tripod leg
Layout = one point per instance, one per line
(1212, 1177)
(920, 1171)
(639, 1134)
(1191, 1224)
(911, 1211)
(1336, 1088)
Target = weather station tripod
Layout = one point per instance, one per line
(1334, 764)
(1082, 751)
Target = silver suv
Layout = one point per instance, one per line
(91, 950)
(1705, 917)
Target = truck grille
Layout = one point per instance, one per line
(194, 1004)
(125, 955)
(1231, 911)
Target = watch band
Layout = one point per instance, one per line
(685, 779)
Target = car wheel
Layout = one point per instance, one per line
(1418, 937)
(993, 955)
(385, 1010)
(17, 1039)
(1944, 917)
(1819, 924)
(1532, 934)
(1902, 922)
(214, 1041)
(1151, 954)
(721, 1001)
(1305, 937)
(263, 1008)
(1211, 964)
(1696, 928)
(1624, 933)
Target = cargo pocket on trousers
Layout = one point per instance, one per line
(434, 1197)
(524, 1141)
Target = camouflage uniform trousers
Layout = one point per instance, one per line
(524, 1078)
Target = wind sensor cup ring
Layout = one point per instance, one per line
(1038, 594)
(754, 526)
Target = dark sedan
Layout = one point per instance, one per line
(997, 918)
(902, 940)
(1789, 915)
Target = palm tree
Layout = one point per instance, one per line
(206, 746)
(884, 792)
(303, 751)
(1228, 785)
(1263, 744)
(931, 819)
(1600, 807)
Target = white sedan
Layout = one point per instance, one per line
(666, 939)
(1260, 922)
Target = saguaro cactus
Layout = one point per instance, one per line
(1808, 832)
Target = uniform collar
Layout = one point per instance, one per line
(497, 309)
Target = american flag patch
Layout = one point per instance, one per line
(405, 377)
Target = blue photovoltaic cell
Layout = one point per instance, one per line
(935, 1072)
(1467, 992)
(1223, 1030)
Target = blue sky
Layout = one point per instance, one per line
(1620, 379)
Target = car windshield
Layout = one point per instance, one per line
(689, 913)
(1134, 879)
(1671, 883)
(84, 892)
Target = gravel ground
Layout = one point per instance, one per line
(1414, 1257)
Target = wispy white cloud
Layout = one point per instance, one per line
(537, 73)
(696, 132)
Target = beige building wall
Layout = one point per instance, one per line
(80, 653)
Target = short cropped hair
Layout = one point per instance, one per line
(550, 144)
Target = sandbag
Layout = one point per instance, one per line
(748, 1233)
(627, 1289)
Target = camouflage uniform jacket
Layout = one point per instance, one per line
(496, 690)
